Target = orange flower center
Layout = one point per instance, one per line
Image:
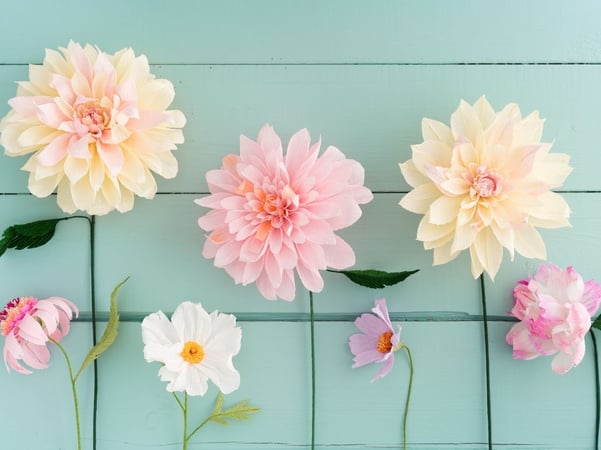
(384, 342)
(94, 116)
(14, 311)
(192, 352)
(273, 205)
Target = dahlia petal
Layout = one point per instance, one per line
(82, 193)
(444, 210)
(443, 254)
(412, 176)
(553, 169)
(430, 153)
(552, 211)
(433, 130)
(485, 111)
(36, 136)
(287, 289)
(270, 143)
(63, 86)
(310, 277)
(427, 231)
(273, 269)
(297, 150)
(419, 199)
(500, 131)
(489, 252)
(228, 253)
(311, 255)
(64, 197)
(252, 249)
(465, 235)
(529, 243)
(76, 168)
(528, 130)
(265, 287)
(42, 187)
(79, 147)
(465, 123)
(55, 151)
(112, 155)
(341, 256)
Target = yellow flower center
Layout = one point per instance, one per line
(95, 116)
(192, 352)
(384, 342)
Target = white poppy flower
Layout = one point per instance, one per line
(193, 347)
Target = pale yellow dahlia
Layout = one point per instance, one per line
(97, 125)
(484, 184)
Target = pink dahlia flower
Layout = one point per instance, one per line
(97, 126)
(484, 184)
(377, 341)
(554, 308)
(28, 324)
(272, 214)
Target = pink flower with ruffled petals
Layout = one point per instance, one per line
(377, 341)
(274, 214)
(28, 324)
(555, 309)
(97, 126)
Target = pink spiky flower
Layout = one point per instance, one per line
(272, 215)
(28, 325)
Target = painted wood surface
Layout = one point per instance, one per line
(361, 75)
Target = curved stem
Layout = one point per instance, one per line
(73, 391)
(408, 397)
(312, 314)
(487, 363)
(597, 389)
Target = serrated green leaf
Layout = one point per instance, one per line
(109, 335)
(375, 279)
(240, 411)
(28, 235)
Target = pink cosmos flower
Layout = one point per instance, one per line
(377, 341)
(484, 184)
(97, 126)
(28, 324)
(554, 308)
(273, 214)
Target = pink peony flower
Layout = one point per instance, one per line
(28, 324)
(484, 184)
(554, 308)
(273, 214)
(97, 126)
(377, 341)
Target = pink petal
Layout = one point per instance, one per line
(386, 367)
(112, 155)
(55, 151)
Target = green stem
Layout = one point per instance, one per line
(597, 400)
(203, 423)
(408, 397)
(185, 409)
(487, 363)
(312, 317)
(73, 390)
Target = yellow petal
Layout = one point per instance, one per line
(488, 251)
(412, 176)
(529, 243)
(420, 198)
(433, 130)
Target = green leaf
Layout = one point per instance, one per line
(240, 411)
(109, 335)
(28, 235)
(375, 279)
(597, 323)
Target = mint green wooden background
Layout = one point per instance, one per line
(361, 74)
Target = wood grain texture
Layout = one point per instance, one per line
(361, 75)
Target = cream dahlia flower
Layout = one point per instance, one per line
(97, 126)
(484, 184)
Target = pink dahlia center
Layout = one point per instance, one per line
(94, 116)
(273, 204)
(486, 183)
(14, 311)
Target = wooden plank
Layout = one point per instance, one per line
(340, 31)
(372, 113)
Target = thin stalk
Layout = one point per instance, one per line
(487, 363)
(186, 437)
(73, 391)
(93, 307)
(312, 318)
(597, 389)
(408, 397)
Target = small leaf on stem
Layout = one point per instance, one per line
(28, 235)
(109, 335)
(375, 279)
(240, 411)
